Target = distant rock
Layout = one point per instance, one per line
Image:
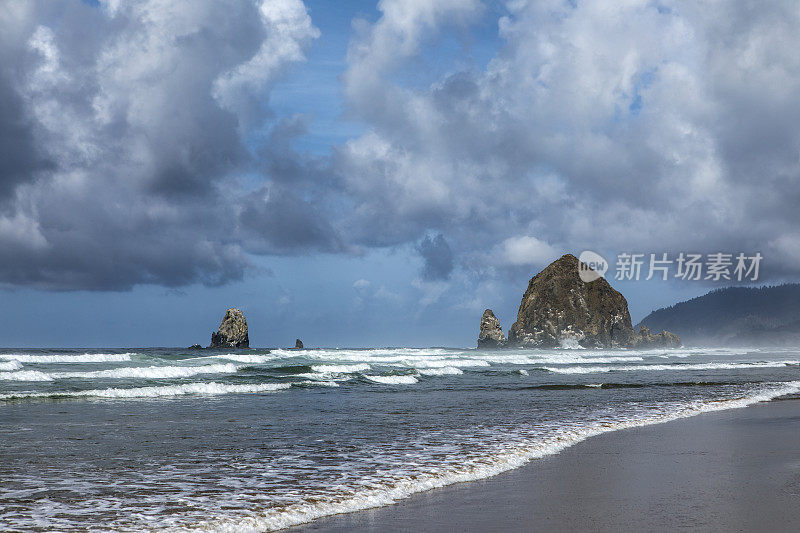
(491, 333)
(298, 344)
(559, 309)
(195, 347)
(665, 339)
(232, 332)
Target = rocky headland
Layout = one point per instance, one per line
(735, 316)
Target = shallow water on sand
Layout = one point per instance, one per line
(164, 438)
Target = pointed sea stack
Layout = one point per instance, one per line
(491, 335)
(298, 344)
(232, 332)
(559, 309)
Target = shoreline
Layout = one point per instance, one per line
(727, 470)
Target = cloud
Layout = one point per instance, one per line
(385, 294)
(377, 297)
(437, 257)
(361, 284)
(289, 33)
(276, 221)
(123, 146)
(20, 157)
(145, 151)
(634, 126)
(525, 250)
(431, 291)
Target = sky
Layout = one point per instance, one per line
(361, 173)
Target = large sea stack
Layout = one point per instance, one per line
(559, 309)
(232, 332)
(491, 333)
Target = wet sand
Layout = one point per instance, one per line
(735, 470)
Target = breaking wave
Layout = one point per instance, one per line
(441, 371)
(361, 355)
(251, 358)
(150, 372)
(25, 375)
(340, 369)
(210, 388)
(10, 365)
(441, 363)
(393, 380)
(68, 358)
(649, 368)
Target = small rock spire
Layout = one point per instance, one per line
(491, 334)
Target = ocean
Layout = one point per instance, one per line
(175, 439)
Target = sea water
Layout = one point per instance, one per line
(264, 439)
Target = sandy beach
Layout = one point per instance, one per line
(734, 470)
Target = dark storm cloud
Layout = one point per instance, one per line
(438, 258)
(276, 221)
(122, 146)
(293, 214)
(20, 158)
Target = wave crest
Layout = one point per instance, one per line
(393, 380)
(68, 358)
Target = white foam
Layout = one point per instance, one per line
(362, 355)
(10, 365)
(393, 380)
(150, 372)
(303, 512)
(69, 358)
(567, 358)
(340, 369)
(323, 376)
(690, 352)
(661, 368)
(526, 357)
(570, 344)
(523, 372)
(210, 388)
(622, 354)
(508, 359)
(321, 383)
(441, 371)
(251, 358)
(612, 360)
(25, 375)
(441, 363)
